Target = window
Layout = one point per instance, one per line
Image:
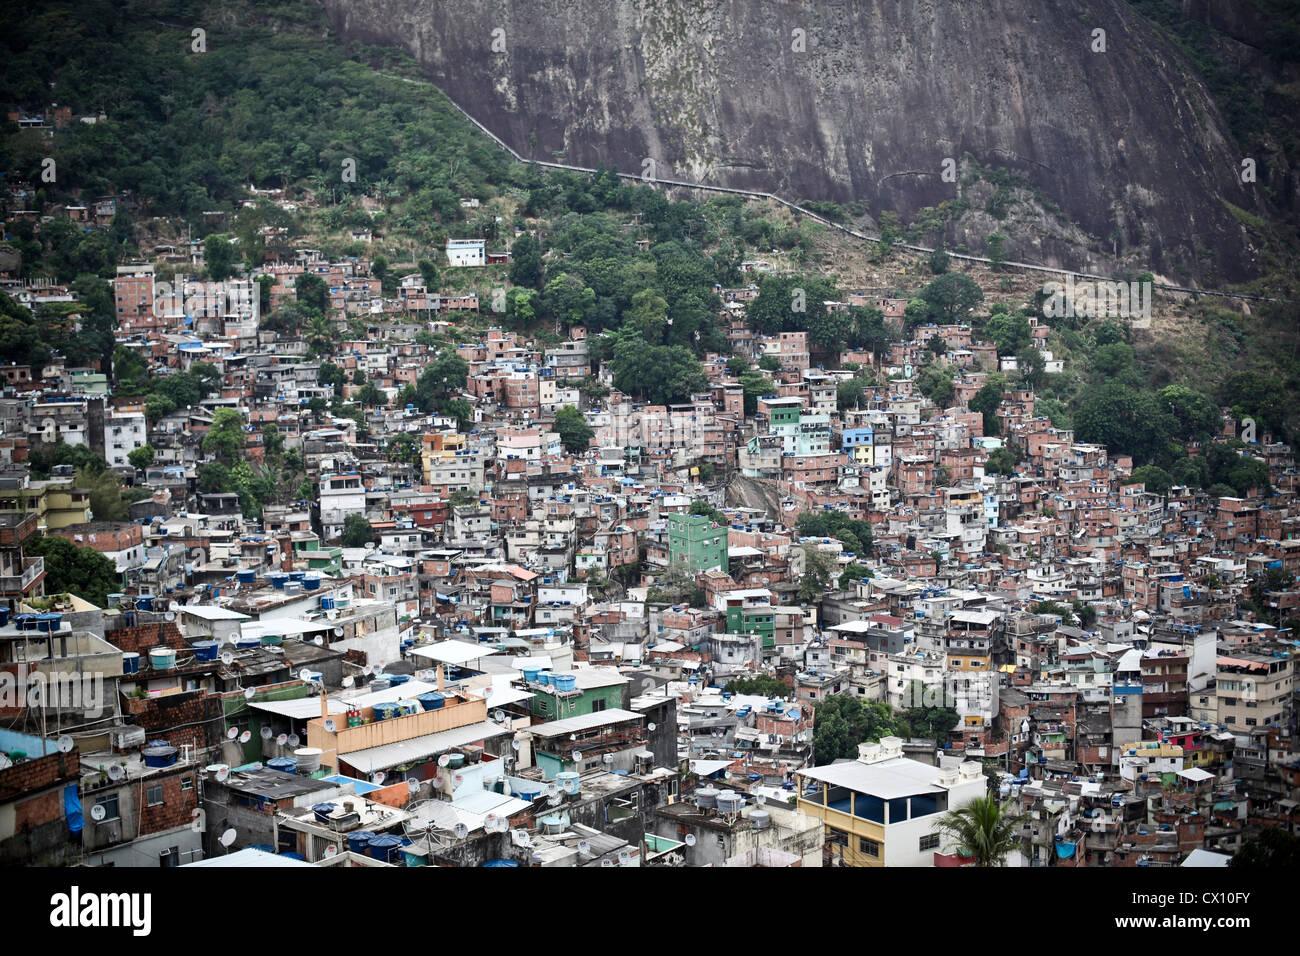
(869, 847)
(187, 783)
(597, 705)
(154, 795)
(109, 804)
(930, 842)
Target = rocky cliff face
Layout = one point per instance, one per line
(859, 100)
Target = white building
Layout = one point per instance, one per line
(466, 252)
(124, 432)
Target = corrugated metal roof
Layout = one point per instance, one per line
(418, 748)
(569, 725)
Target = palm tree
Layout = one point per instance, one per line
(983, 830)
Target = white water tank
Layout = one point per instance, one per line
(760, 820)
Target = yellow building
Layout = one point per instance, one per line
(883, 809)
(56, 503)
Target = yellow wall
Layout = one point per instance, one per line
(855, 827)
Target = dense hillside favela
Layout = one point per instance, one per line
(601, 435)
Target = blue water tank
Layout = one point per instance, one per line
(359, 840)
(50, 622)
(386, 848)
(564, 682)
(528, 791)
(206, 650)
(395, 679)
(326, 603)
(500, 862)
(4, 614)
(530, 673)
(311, 582)
(130, 662)
(283, 764)
(386, 711)
(246, 577)
(277, 580)
(431, 701)
(144, 602)
(158, 756)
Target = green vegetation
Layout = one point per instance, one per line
(855, 534)
(763, 685)
(984, 829)
(575, 433)
(357, 532)
(76, 570)
(844, 721)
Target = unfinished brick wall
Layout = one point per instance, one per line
(193, 718)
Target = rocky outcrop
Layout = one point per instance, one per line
(858, 100)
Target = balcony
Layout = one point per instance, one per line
(19, 584)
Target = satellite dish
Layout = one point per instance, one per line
(66, 744)
(293, 740)
(520, 838)
(377, 777)
(282, 739)
(458, 779)
(444, 760)
(232, 733)
(577, 757)
(223, 774)
(318, 641)
(584, 847)
(97, 812)
(516, 744)
(330, 851)
(367, 670)
(608, 758)
(330, 725)
(552, 789)
(227, 658)
(249, 692)
(460, 830)
(690, 839)
(608, 863)
(170, 616)
(760, 800)
(490, 822)
(228, 838)
(174, 606)
(267, 732)
(338, 632)
(624, 855)
(245, 737)
(499, 715)
(412, 785)
(304, 675)
(348, 682)
(650, 727)
(554, 799)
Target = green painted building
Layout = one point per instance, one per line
(328, 560)
(753, 620)
(595, 691)
(696, 543)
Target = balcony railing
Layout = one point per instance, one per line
(19, 583)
